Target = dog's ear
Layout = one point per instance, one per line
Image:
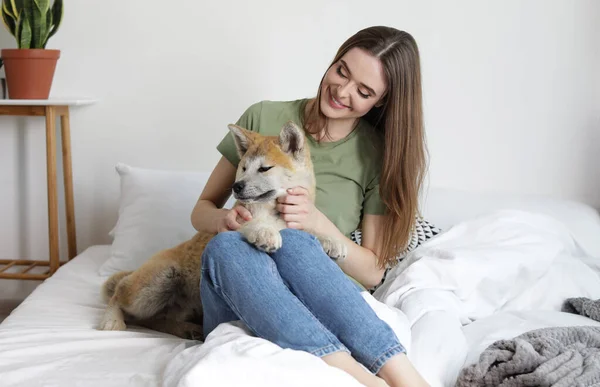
(242, 138)
(291, 139)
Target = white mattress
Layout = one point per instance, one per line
(51, 338)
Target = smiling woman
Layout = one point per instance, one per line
(376, 76)
(365, 136)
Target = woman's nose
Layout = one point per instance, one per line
(344, 90)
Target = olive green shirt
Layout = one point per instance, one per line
(347, 171)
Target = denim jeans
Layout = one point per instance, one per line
(297, 298)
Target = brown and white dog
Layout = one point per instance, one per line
(162, 294)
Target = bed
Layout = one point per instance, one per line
(445, 320)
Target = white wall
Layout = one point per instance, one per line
(512, 95)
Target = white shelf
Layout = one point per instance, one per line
(50, 101)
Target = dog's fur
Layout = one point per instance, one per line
(163, 294)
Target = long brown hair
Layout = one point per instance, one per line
(399, 124)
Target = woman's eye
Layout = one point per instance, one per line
(340, 73)
(264, 169)
(363, 94)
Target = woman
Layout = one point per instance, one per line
(365, 132)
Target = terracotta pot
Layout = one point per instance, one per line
(29, 72)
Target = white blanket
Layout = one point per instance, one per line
(505, 261)
(231, 356)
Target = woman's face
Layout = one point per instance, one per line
(352, 85)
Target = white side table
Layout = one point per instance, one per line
(50, 108)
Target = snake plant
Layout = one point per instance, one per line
(32, 22)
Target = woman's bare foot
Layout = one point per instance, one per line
(345, 362)
(399, 372)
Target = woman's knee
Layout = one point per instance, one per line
(299, 244)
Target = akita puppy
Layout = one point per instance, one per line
(163, 294)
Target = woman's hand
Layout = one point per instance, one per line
(297, 210)
(233, 219)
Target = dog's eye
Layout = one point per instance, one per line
(243, 169)
(264, 169)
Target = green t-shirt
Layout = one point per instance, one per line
(347, 171)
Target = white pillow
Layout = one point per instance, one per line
(154, 214)
(445, 207)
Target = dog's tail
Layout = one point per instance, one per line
(108, 289)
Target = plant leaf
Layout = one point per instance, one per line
(25, 35)
(27, 7)
(7, 7)
(48, 28)
(19, 27)
(28, 12)
(16, 6)
(57, 14)
(43, 5)
(38, 23)
(8, 19)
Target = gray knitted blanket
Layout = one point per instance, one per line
(583, 306)
(557, 357)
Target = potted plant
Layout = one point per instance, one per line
(30, 67)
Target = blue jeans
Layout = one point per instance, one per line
(297, 298)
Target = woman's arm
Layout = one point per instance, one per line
(208, 214)
(361, 261)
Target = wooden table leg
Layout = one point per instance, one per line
(52, 188)
(68, 180)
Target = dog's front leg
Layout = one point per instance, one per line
(333, 247)
(263, 234)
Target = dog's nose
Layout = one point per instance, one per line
(238, 186)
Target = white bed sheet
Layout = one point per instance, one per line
(51, 338)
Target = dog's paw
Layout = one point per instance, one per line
(333, 247)
(266, 239)
(112, 324)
